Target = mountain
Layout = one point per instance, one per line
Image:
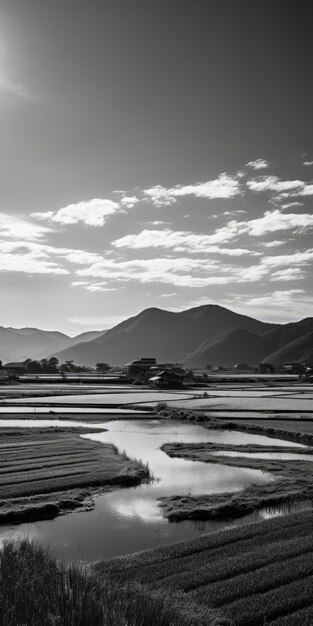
(18, 344)
(87, 336)
(230, 347)
(168, 336)
(291, 342)
(198, 336)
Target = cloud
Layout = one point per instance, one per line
(179, 241)
(285, 188)
(129, 201)
(28, 259)
(225, 186)
(295, 258)
(99, 287)
(308, 163)
(91, 212)
(12, 227)
(274, 221)
(273, 244)
(275, 298)
(290, 273)
(31, 257)
(178, 271)
(258, 164)
(290, 205)
(273, 183)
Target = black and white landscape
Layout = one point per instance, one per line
(156, 313)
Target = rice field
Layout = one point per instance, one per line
(44, 473)
(254, 575)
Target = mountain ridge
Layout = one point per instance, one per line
(166, 335)
(208, 334)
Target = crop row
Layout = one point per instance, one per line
(260, 580)
(17, 454)
(153, 566)
(206, 567)
(167, 559)
(35, 466)
(256, 609)
(228, 567)
(304, 617)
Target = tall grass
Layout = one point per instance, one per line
(37, 590)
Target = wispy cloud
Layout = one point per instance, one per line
(178, 241)
(275, 298)
(12, 227)
(225, 186)
(258, 164)
(273, 183)
(290, 273)
(285, 188)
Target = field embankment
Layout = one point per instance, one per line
(254, 575)
(45, 473)
(293, 480)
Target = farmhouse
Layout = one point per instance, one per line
(14, 369)
(167, 379)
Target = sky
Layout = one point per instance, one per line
(154, 153)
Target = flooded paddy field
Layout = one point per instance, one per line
(256, 400)
(131, 519)
(45, 473)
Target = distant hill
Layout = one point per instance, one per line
(231, 347)
(292, 342)
(18, 344)
(166, 335)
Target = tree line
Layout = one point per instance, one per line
(52, 366)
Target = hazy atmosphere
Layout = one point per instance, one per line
(154, 154)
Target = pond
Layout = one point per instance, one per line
(128, 520)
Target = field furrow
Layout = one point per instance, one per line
(261, 580)
(254, 610)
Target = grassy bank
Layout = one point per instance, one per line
(44, 473)
(36, 590)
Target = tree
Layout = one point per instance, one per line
(67, 366)
(104, 367)
(53, 364)
(33, 367)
